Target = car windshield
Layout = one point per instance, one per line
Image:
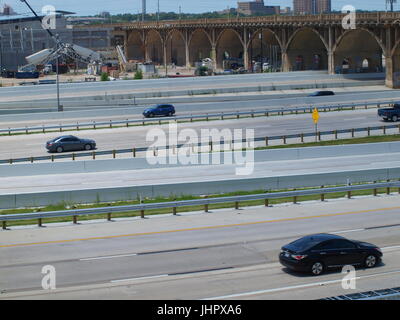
(305, 243)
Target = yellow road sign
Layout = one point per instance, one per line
(315, 115)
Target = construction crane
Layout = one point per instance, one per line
(60, 49)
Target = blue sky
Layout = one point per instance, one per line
(90, 7)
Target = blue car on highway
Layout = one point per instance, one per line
(167, 110)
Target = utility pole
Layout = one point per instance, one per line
(143, 10)
(158, 10)
(391, 3)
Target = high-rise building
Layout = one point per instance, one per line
(257, 6)
(312, 6)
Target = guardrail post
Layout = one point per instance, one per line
(109, 216)
(302, 137)
(94, 155)
(266, 202)
(40, 222)
(284, 139)
(352, 133)
(110, 124)
(142, 214)
(127, 123)
(114, 154)
(75, 219)
(369, 131)
(77, 126)
(73, 157)
(399, 127)
(388, 189)
(52, 158)
(237, 205)
(375, 190)
(319, 135)
(211, 146)
(26, 130)
(207, 117)
(31, 159)
(336, 135)
(10, 161)
(4, 225)
(174, 211)
(252, 113)
(134, 152)
(322, 195)
(94, 125)
(44, 130)
(266, 141)
(349, 194)
(384, 129)
(9, 131)
(60, 128)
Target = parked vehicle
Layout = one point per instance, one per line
(167, 110)
(392, 114)
(316, 253)
(321, 94)
(70, 143)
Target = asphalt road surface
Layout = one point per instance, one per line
(26, 93)
(220, 255)
(21, 146)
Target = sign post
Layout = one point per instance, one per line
(315, 117)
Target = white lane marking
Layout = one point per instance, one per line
(315, 284)
(348, 231)
(390, 248)
(109, 257)
(140, 278)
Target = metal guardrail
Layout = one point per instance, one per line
(382, 294)
(211, 144)
(198, 202)
(267, 112)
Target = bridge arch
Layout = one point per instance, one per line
(230, 49)
(200, 46)
(176, 48)
(264, 46)
(135, 46)
(154, 47)
(307, 50)
(354, 47)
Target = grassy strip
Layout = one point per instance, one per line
(370, 139)
(170, 210)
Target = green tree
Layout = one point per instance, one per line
(104, 77)
(138, 75)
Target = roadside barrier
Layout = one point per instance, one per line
(206, 202)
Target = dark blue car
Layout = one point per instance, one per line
(166, 110)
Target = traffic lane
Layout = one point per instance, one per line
(187, 260)
(192, 174)
(111, 87)
(19, 146)
(185, 109)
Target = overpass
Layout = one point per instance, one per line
(311, 42)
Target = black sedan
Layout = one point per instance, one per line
(316, 253)
(70, 143)
(321, 94)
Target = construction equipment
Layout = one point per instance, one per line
(124, 65)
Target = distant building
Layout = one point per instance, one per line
(253, 7)
(312, 6)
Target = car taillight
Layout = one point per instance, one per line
(298, 257)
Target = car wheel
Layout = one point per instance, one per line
(59, 149)
(317, 268)
(370, 261)
(395, 118)
(88, 147)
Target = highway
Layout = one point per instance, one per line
(27, 93)
(224, 254)
(20, 146)
(63, 181)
